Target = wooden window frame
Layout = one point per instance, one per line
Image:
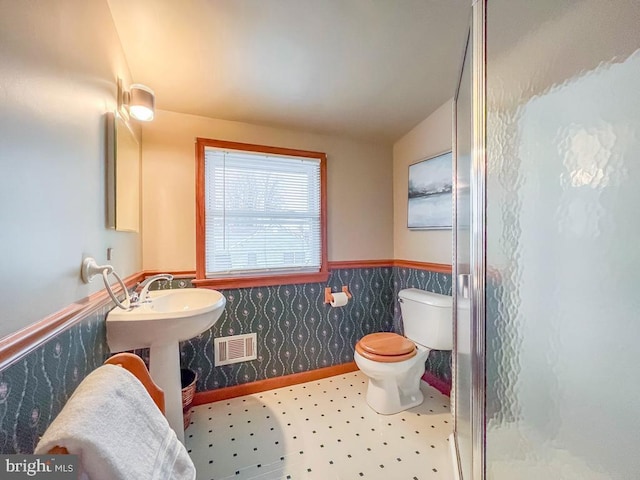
(257, 280)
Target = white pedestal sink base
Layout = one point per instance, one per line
(170, 316)
(164, 366)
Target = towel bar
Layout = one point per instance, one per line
(136, 366)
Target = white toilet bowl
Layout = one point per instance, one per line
(394, 387)
(395, 364)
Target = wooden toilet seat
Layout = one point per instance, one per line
(386, 347)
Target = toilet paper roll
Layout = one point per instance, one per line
(340, 299)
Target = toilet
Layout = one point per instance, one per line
(395, 364)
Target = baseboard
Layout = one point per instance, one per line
(437, 383)
(272, 383)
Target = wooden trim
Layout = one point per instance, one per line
(266, 280)
(336, 265)
(360, 264)
(432, 267)
(239, 282)
(176, 273)
(437, 383)
(23, 341)
(324, 260)
(200, 210)
(272, 383)
(17, 344)
(251, 147)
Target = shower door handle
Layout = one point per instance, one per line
(464, 284)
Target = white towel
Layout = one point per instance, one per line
(117, 431)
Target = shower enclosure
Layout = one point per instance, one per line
(467, 389)
(546, 255)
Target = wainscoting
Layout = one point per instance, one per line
(296, 332)
(34, 389)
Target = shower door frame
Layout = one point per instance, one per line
(477, 39)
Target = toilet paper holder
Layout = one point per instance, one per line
(328, 296)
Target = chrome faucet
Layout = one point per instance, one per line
(145, 284)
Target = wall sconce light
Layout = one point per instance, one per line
(139, 101)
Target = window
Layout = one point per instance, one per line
(260, 215)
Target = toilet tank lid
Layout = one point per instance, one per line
(422, 296)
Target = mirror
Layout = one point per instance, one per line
(123, 175)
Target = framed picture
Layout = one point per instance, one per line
(430, 193)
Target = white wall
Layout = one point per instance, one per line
(359, 188)
(430, 137)
(58, 66)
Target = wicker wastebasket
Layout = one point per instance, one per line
(188, 380)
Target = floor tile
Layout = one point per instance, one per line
(320, 430)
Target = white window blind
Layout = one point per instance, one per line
(262, 213)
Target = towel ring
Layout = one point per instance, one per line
(127, 304)
(90, 269)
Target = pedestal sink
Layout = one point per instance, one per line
(171, 316)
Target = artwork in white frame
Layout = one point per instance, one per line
(430, 193)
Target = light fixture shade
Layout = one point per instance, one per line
(141, 102)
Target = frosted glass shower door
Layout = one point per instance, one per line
(563, 229)
(462, 382)
(469, 254)
(469, 248)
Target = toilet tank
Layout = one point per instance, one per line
(427, 318)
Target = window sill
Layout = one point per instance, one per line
(261, 281)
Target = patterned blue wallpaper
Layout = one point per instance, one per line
(310, 335)
(34, 389)
(296, 332)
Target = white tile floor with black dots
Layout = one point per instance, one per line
(320, 430)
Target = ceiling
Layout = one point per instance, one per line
(366, 69)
